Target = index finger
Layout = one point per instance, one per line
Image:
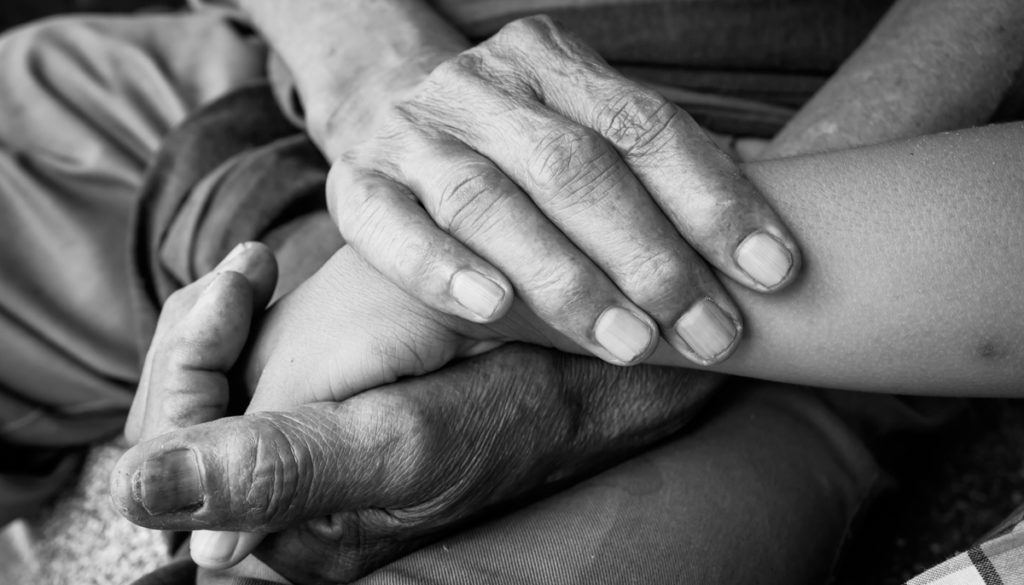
(202, 331)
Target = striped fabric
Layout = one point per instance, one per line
(997, 560)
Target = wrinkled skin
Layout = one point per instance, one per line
(403, 463)
(528, 167)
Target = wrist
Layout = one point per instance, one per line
(343, 108)
(347, 278)
(351, 58)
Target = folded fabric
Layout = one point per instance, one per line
(84, 104)
(238, 170)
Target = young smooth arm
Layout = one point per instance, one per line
(912, 285)
(915, 253)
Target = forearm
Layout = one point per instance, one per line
(346, 56)
(929, 66)
(911, 285)
(908, 78)
(914, 265)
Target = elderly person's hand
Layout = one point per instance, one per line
(357, 483)
(528, 166)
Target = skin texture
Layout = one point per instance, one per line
(893, 112)
(904, 294)
(575, 182)
(315, 308)
(865, 314)
(439, 197)
(425, 159)
(908, 79)
(406, 462)
(912, 32)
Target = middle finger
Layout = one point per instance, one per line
(480, 205)
(576, 179)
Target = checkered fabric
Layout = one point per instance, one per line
(997, 560)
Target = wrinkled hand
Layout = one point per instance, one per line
(527, 164)
(359, 482)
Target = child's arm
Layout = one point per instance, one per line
(913, 284)
(915, 267)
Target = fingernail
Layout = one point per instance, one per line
(170, 482)
(764, 259)
(707, 329)
(477, 293)
(210, 548)
(234, 253)
(623, 334)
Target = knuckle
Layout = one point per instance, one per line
(562, 289)
(393, 438)
(540, 35)
(714, 221)
(461, 71)
(406, 438)
(188, 404)
(567, 162)
(531, 29)
(366, 206)
(471, 200)
(423, 460)
(400, 124)
(273, 475)
(657, 278)
(174, 413)
(184, 350)
(637, 122)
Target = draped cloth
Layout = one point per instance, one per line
(84, 105)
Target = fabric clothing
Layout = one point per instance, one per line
(239, 171)
(997, 560)
(763, 492)
(746, 65)
(85, 103)
(81, 539)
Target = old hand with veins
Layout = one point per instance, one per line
(309, 352)
(791, 344)
(356, 483)
(526, 167)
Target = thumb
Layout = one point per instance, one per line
(267, 471)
